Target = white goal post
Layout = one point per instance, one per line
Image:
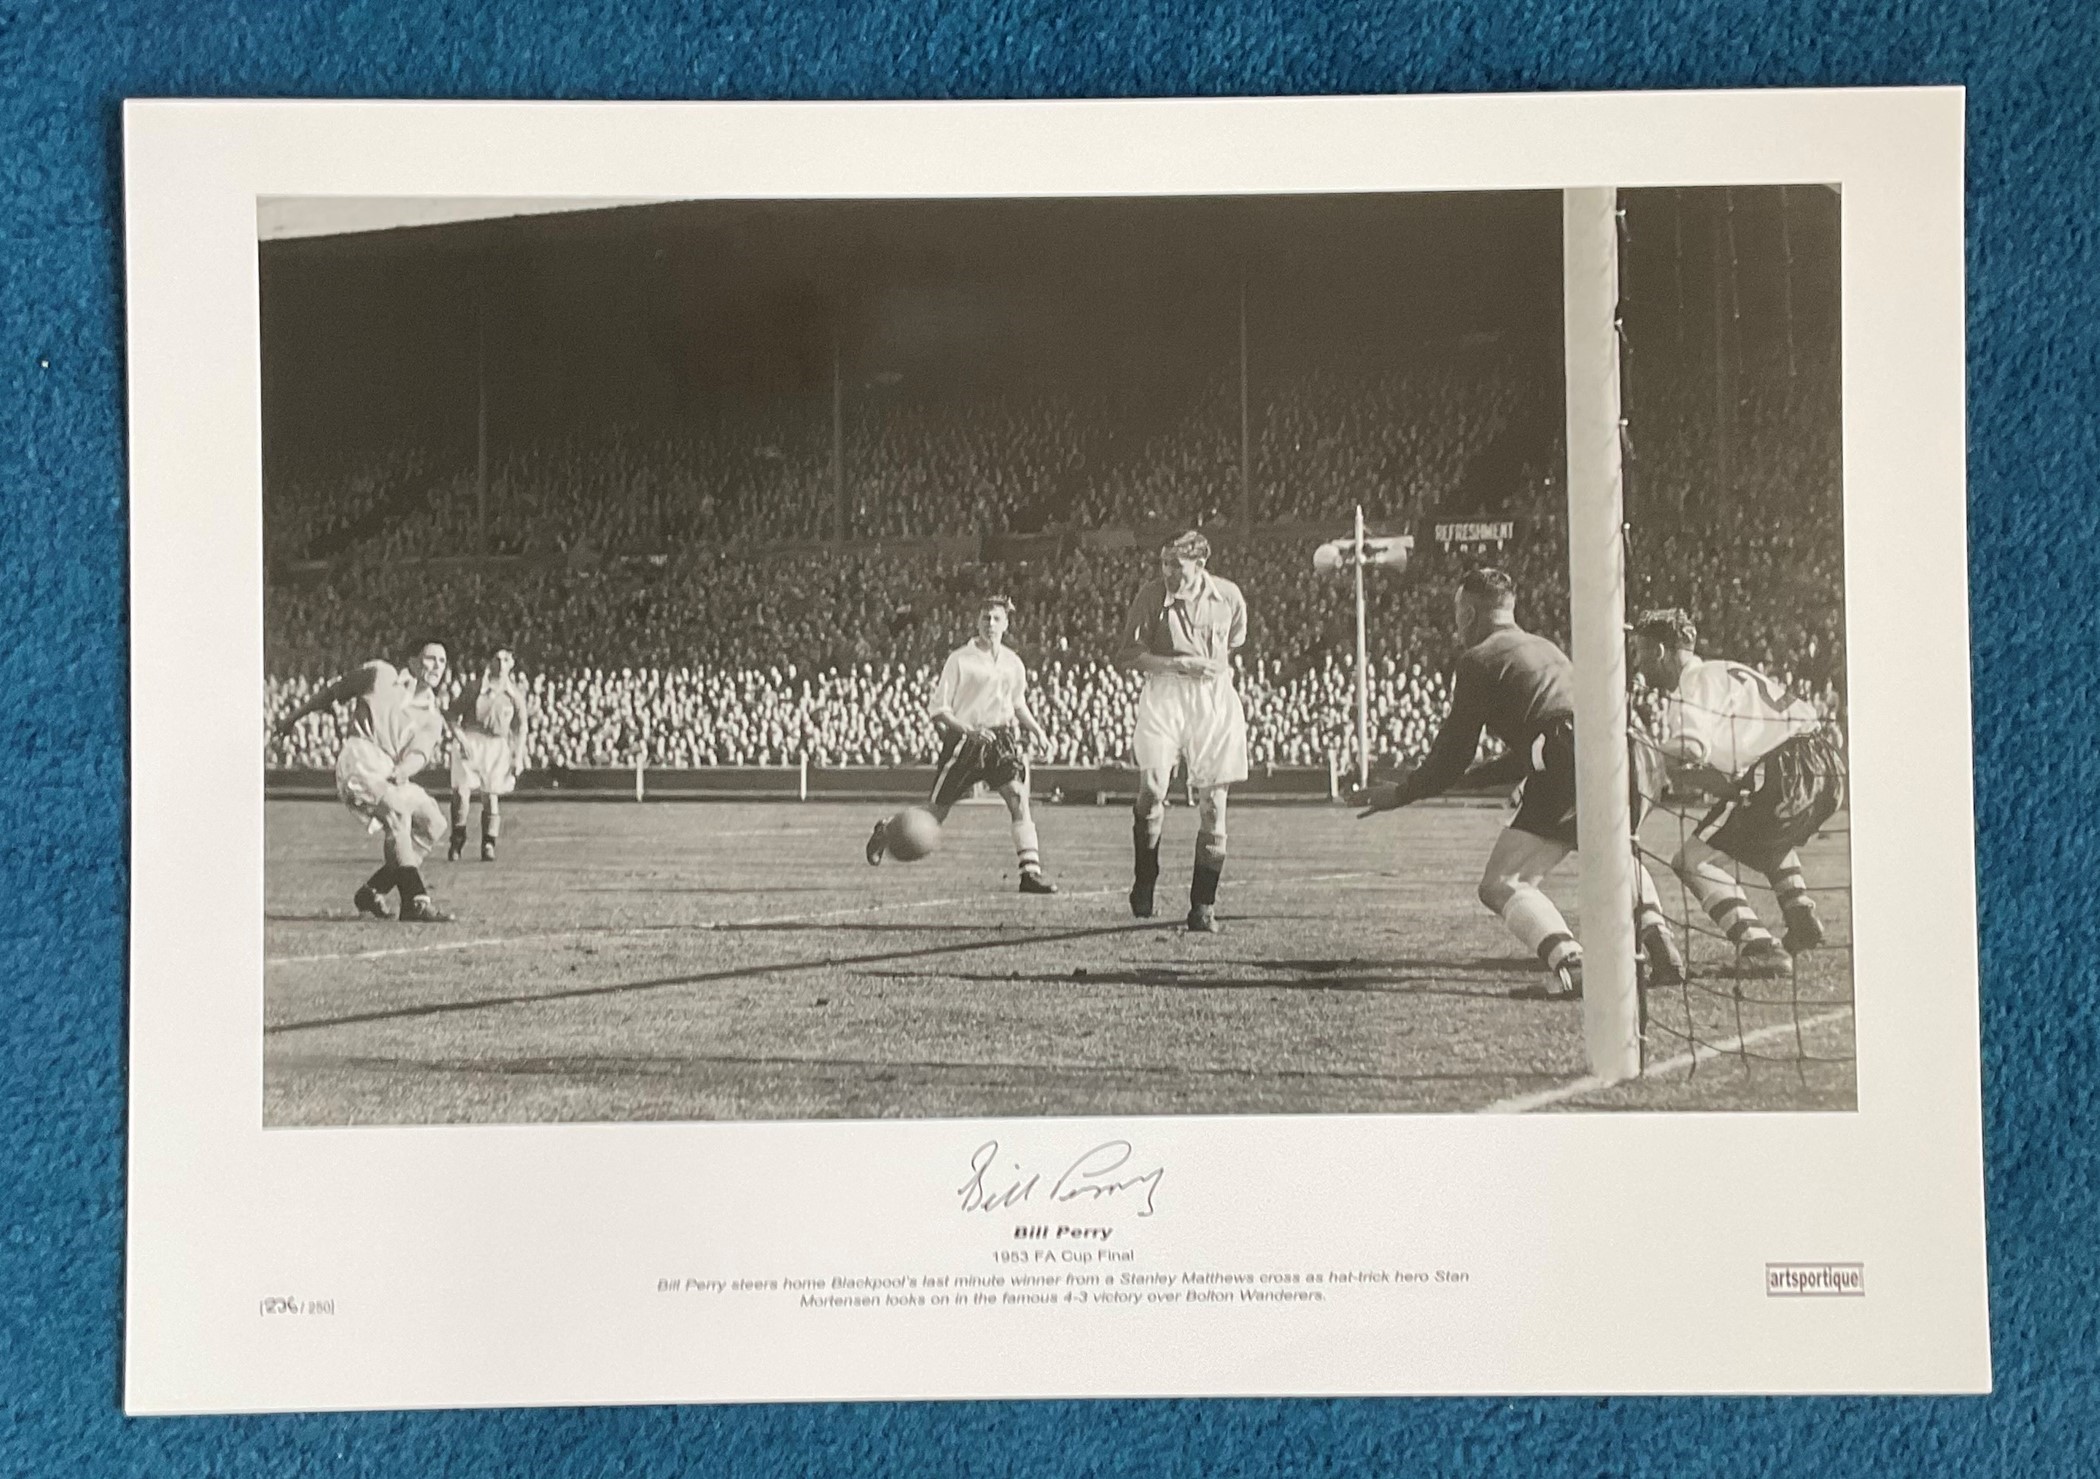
(1597, 615)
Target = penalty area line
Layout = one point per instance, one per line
(1590, 1083)
(822, 916)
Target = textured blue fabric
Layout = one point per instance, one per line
(2035, 301)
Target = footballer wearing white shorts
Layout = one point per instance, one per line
(980, 707)
(396, 726)
(488, 750)
(1775, 767)
(1180, 634)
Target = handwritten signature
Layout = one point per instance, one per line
(1103, 1174)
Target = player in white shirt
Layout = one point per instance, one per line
(980, 707)
(1735, 733)
(488, 750)
(396, 727)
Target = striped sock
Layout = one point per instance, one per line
(1025, 847)
(1788, 883)
(1732, 912)
(1722, 899)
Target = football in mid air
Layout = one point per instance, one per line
(911, 834)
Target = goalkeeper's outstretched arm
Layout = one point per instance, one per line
(1449, 758)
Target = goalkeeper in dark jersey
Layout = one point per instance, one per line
(1518, 687)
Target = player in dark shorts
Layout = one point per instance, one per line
(1776, 768)
(995, 759)
(1779, 804)
(1518, 687)
(980, 708)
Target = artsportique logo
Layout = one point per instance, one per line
(1816, 1280)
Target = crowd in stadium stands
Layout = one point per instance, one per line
(707, 683)
(706, 641)
(706, 677)
(914, 470)
(717, 610)
(1753, 546)
(913, 467)
(1327, 440)
(311, 513)
(653, 614)
(876, 715)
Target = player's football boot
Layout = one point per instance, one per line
(420, 910)
(488, 849)
(370, 903)
(1033, 882)
(1804, 931)
(877, 846)
(1203, 920)
(1763, 959)
(459, 845)
(1562, 982)
(1665, 960)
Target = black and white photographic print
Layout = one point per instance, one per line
(797, 659)
(896, 752)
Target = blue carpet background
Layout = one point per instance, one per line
(2034, 363)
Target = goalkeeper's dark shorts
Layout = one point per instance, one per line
(1547, 807)
(1779, 803)
(995, 762)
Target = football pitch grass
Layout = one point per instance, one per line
(694, 960)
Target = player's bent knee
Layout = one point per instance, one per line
(1495, 893)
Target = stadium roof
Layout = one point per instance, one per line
(281, 218)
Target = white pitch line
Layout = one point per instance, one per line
(441, 946)
(1525, 1103)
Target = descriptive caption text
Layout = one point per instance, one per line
(1064, 1287)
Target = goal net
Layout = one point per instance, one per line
(1705, 491)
